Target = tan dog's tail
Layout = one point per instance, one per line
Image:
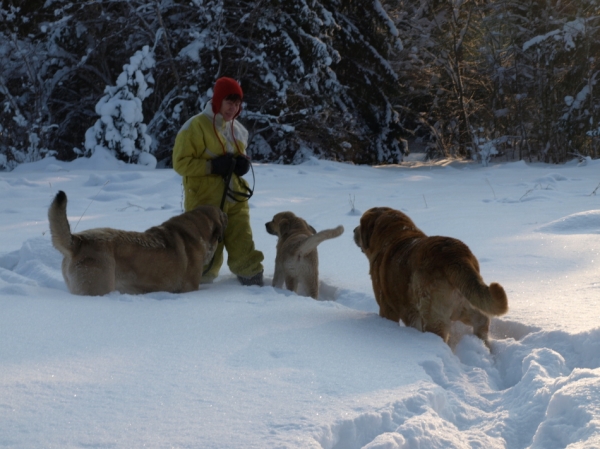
(314, 240)
(62, 239)
(489, 299)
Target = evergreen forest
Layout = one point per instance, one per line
(361, 81)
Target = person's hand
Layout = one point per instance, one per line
(222, 165)
(242, 165)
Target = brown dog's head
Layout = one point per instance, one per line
(285, 223)
(381, 221)
(363, 232)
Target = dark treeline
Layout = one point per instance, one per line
(341, 79)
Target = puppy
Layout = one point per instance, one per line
(168, 257)
(427, 282)
(297, 260)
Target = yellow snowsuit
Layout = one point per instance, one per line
(195, 145)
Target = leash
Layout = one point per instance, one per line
(227, 180)
(228, 192)
(245, 196)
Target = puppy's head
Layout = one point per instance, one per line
(285, 222)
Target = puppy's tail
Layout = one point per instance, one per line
(62, 239)
(314, 240)
(489, 299)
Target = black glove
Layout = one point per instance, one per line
(222, 165)
(242, 165)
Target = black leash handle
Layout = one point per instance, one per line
(227, 179)
(245, 196)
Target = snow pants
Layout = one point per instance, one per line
(243, 259)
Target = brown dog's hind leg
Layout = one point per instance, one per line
(481, 326)
(478, 320)
(440, 329)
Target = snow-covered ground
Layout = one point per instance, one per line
(248, 367)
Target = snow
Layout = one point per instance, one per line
(389, 23)
(248, 367)
(567, 35)
(576, 103)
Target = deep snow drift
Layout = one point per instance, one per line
(247, 367)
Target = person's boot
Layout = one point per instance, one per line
(257, 279)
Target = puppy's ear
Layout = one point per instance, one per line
(284, 227)
(313, 230)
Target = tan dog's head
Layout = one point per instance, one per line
(217, 218)
(220, 225)
(381, 221)
(285, 223)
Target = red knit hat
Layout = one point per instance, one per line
(224, 87)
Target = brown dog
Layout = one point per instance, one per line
(167, 258)
(427, 282)
(297, 260)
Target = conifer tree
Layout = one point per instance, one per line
(120, 128)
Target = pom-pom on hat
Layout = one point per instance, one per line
(223, 88)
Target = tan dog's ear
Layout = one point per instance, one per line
(220, 226)
(313, 230)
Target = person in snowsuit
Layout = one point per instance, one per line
(208, 148)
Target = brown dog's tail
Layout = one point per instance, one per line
(314, 240)
(489, 299)
(62, 239)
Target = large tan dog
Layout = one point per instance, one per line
(167, 258)
(297, 260)
(427, 282)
